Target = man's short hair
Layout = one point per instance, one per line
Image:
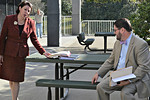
(123, 22)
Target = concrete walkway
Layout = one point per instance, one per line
(35, 71)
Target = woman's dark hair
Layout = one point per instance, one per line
(22, 4)
(123, 22)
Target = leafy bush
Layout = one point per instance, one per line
(141, 20)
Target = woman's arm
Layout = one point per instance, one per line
(3, 36)
(36, 43)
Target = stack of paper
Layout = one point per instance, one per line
(60, 54)
(71, 57)
(120, 75)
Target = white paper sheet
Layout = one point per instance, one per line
(130, 76)
(120, 75)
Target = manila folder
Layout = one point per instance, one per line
(120, 75)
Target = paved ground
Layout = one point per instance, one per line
(34, 71)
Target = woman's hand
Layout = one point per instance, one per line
(1, 60)
(46, 54)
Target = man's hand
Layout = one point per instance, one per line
(123, 83)
(95, 78)
(1, 60)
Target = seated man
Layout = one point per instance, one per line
(129, 50)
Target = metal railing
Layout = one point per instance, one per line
(66, 25)
(89, 27)
(44, 23)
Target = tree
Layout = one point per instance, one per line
(106, 1)
(42, 4)
(128, 9)
(107, 11)
(66, 8)
(141, 20)
(37, 4)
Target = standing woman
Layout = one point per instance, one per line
(14, 48)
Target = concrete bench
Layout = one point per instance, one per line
(64, 84)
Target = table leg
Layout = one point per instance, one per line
(56, 77)
(105, 44)
(61, 77)
(49, 94)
